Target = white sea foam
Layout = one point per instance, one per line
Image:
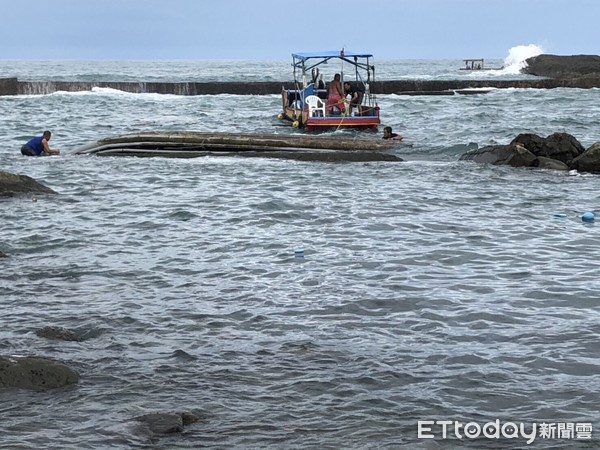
(517, 56)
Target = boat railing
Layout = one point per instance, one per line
(296, 99)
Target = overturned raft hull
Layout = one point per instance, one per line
(197, 144)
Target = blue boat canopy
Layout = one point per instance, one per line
(306, 61)
(331, 54)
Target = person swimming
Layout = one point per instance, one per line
(389, 134)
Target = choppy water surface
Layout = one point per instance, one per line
(428, 290)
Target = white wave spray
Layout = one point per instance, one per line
(517, 55)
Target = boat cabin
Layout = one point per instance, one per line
(473, 64)
(312, 106)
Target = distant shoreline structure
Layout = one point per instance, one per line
(551, 71)
(13, 86)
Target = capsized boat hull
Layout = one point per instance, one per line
(197, 144)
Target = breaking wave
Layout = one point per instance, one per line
(517, 56)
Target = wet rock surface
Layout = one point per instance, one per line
(35, 373)
(12, 184)
(58, 333)
(563, 66)
(161, 423)
(559, 151)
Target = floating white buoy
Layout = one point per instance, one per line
(588, 216)
(573, 172)
(299, 252)
(560, 215)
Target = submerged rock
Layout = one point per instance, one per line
(167, 423)
(58, 333)
(12, 184)
(36, 373)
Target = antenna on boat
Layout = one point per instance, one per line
(342, 68)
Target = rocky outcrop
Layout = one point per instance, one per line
(559, 151)
(589, 161)
(35, 373)
(498, 155)
(560, 146)
(559, 66)
(12, 184)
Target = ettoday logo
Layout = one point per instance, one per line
(436, 429)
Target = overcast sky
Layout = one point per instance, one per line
(273, 29)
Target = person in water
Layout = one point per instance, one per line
(388, 134)
(38, 146)
(335, 94)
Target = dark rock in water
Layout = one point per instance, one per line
(513, 155)
(589, 161)
(559, 151)
(162, 423)
(12, 184)
(560, 146)
(531, 142)
(557, 66)
(189, 418)
(167, 423)
(58, 333)
(542, 162)
(35, 373)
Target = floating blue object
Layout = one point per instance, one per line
(588, 216)
(299, 252)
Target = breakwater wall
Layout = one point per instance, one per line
(13, 86)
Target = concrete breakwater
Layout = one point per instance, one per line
(13, 86)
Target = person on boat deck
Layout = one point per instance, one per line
(335, 94)
(317, 79)
(388, 134)
(38, 146)
(356, 92)
(320, 84)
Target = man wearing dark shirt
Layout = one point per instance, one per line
(356, 92)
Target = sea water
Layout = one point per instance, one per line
(427, 290)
